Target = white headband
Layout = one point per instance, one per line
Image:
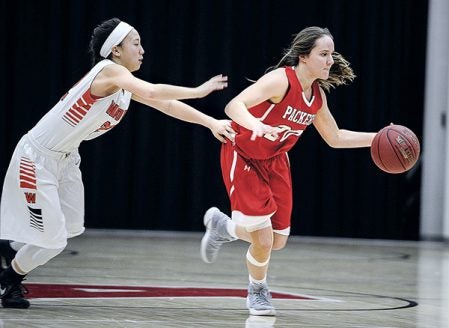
(116, 36)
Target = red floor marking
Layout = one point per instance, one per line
(91, 291)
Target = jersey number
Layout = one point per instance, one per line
(285, 131)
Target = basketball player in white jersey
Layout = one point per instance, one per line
(42, 201)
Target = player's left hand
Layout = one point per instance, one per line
(218, 82)
(222, 130)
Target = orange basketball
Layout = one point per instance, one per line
(395, 149)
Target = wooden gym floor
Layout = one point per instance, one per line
(157, 279)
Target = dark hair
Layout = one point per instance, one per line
(302, 45)
(99, 36)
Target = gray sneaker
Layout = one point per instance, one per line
(216, 234)
(258, 301)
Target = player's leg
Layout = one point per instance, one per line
(257, 261)
(71, 193)
(266, 239)
(220, 229)
(19, 174)
(281, 187)
(219, 226)
(27, 259)
(30, 214)
(256, 230)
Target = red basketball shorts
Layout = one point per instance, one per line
(259, 187)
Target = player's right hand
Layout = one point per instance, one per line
(218, 82)
(262, 129)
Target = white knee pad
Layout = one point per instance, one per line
(254, 262)
(251, 223)
(30, 257)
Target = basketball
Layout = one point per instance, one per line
(395, 149)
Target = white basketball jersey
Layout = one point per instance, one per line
(79, 116)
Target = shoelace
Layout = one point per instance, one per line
(215, 227)
(216, 241)
(262, 297)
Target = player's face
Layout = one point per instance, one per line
(131, 51)
(320, 60)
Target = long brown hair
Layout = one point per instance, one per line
(302, 45)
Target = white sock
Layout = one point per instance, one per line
(258, 282)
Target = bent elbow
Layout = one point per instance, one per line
(336, 140)
(333, 145)
(232, 107)
(330, 142)
(333, 142)
(227, 109)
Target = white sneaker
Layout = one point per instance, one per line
(258, 301)
(215, 235)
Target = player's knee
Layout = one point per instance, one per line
(46, 254)
(263, 244)
(278, 245)
(30, 257)
(279, 242)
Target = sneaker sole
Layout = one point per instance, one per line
(23, 305)
(268, 312)
(206, 219)
(271, 312)
(203, 247)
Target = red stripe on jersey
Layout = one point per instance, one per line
(72, 118)
(27, 174)
(68, 121)
(89, 98)
(27, 167)
(75, 114)
(26, 160)
(27, 179)
(26, 163)
(27, 185)
(79, 109)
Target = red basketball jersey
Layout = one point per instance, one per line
(292, 116)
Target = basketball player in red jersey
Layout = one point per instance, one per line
(269, 117)
(42, 202)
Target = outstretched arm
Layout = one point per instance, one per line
(334, 136)
(221, 129)
(118, 77)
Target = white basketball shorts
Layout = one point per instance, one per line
(42, 201)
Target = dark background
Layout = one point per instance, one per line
(155, 172)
